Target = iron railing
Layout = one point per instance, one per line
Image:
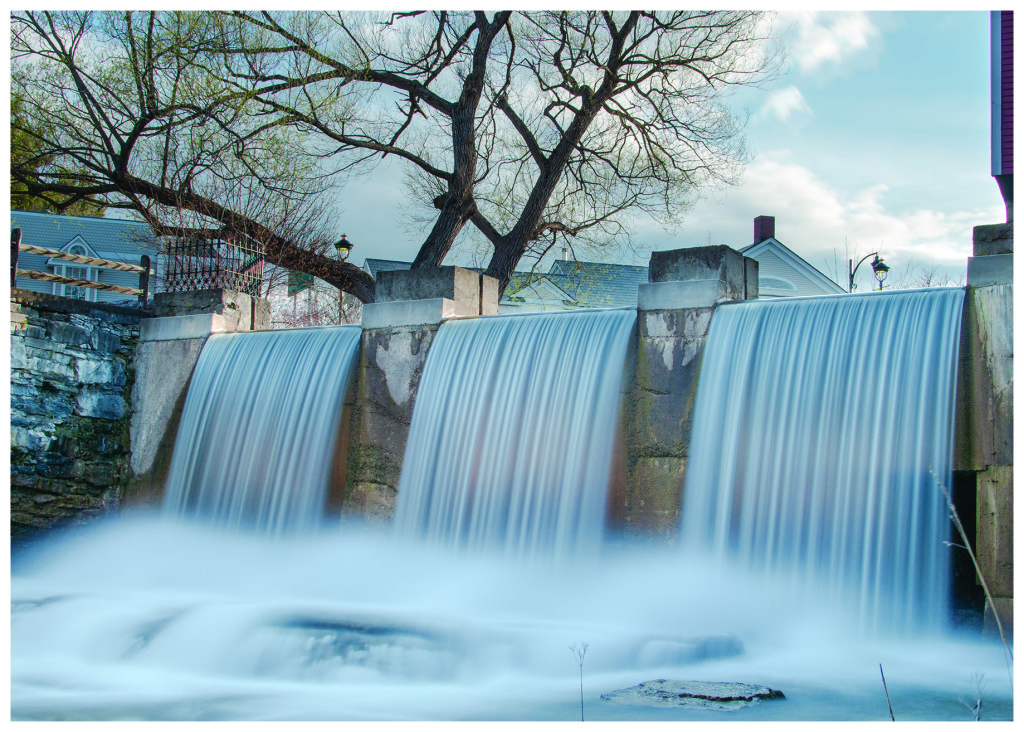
(204, 264)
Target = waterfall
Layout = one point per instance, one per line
(817, 424)
(259, 427)
(513, 431)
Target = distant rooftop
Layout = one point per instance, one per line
(110, 238)
(588, 284)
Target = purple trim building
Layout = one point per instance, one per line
(1002, 105)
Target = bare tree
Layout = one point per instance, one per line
(538, 128)
(534, 127)
(127, 111)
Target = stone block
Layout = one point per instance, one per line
(51, 366)
(67, 333)
(488, 295)
(407, 313)
(29, 440)
(100, 371)
(184, 327)
(261, 314)
(994, 532)
(373, 501)
(104, 341)
(19, 356)
(984, 408)
(682, 295)
(752, 277)
(235, 306)
(461, 286)
(992, 239)
(700, 263)
(1003, 606)
(163, 370)
(99, 404)
(662, 424)
(689, 323)
(655, 497)
(991, 270)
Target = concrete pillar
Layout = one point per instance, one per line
(398, 330)
(167, 352)
(675, 311)
(984, 428)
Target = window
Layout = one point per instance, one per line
(75, 271)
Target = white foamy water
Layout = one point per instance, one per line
(156, 619)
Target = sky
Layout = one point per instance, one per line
(875, 137)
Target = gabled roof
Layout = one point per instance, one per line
(783, 273)
(575, 284)
(528, 287)
(598, 285)
(373, 266)
(116, 239)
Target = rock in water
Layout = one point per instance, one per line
(722, 695)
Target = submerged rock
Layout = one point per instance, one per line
(722, 695)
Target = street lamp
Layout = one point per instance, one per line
(880, 268)
(343, 245)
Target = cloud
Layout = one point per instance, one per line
(826, 226)
(830, 38)
(784, 103)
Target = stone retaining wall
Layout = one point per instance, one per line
(71, 382)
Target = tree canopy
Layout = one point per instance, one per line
(530, 127)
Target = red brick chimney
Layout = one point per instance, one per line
(764, 228)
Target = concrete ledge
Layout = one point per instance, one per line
(183, 327)
(681, 295)
(407, 312)
(996, 269)
(990, 239)
(488, 295)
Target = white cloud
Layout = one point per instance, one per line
(830, 37)
(825, 226)
(784, 103)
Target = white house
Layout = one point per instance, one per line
(781, 272)
(112, 239)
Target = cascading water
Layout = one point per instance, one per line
(260, 423)
(512, 434)
(192, 622)
(817, 427)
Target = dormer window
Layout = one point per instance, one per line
(76, 271)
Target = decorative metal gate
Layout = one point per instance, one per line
(207, 264)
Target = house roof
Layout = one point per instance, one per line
(598, 285)
(577, 284)
(116, 239)
(783, 273)
(373, 266)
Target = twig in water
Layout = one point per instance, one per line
(1007, 651)
(579, 650)
(886, 692)
(975, 709)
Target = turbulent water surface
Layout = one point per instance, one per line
(157, 619)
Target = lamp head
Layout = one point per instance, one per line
(881, 268)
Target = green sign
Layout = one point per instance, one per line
(299, 281)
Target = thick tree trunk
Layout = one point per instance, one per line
(459, 206)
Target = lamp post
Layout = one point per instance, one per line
(881, 269)
(343, 246)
